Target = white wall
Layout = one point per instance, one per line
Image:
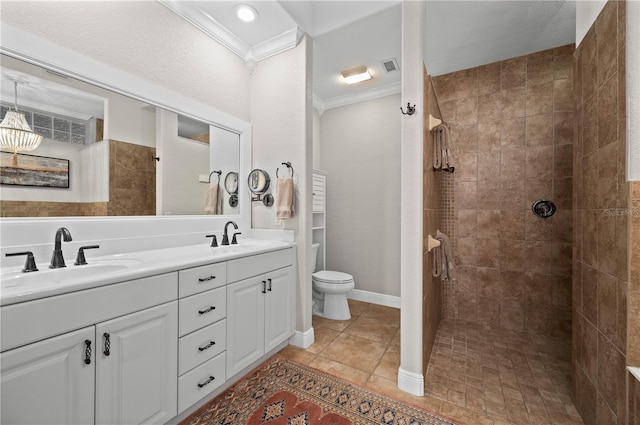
(282, 119)
(411, 372)
(586, 13)
(361, 154)
(316, 139)
(182, 161)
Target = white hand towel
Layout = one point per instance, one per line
(212, 200)
(284, 198)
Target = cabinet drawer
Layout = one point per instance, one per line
(243, 268)
(202, 345)
(200, 310)
(200, 279)
(197, 383)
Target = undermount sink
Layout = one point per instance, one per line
(69, 273)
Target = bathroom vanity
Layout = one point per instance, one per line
(142, 336)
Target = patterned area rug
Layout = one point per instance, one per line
(282, 392)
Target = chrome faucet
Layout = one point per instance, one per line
(57, 260)
(225, 236)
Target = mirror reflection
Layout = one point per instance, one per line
(126, 157)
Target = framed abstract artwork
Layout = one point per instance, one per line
(33, 170)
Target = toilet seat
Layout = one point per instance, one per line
(332, 277)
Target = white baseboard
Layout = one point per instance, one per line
(412, 383)
(374, 298)
(302, 339)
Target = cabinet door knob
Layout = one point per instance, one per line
(206, 347)
(87, 351)
(207, 310)
(107, 344)
(207, 382)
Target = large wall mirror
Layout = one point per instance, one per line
(125, 157)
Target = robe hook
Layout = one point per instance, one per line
(410, 109)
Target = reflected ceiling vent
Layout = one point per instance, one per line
(390, 65)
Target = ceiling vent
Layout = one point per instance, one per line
(390, 65)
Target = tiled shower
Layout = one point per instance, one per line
(548, 125)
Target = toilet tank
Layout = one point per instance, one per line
(315, 247)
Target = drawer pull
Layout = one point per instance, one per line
(206, 347)
(264, 286)
(87, 351)
(107, 344)
(206, 279)
(269, 285)
(207, 382)
(210, 309)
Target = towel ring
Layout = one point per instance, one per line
(219, 173)
(288, 164)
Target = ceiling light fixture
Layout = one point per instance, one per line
(356, 75)
(246, 13)
(15, 133)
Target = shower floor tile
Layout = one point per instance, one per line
(476, 375)
(507, 377)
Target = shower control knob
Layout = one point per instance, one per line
(543, 208)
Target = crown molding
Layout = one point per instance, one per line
(212, 28)
(335, 102)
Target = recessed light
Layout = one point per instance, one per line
(356, 75)
(246, 13)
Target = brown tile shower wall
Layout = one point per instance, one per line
(512, 133)
(602, 219)
(432, 201)
(132, 179)
(51, 209)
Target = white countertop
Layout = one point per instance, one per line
(17, 287)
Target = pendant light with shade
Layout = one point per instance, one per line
(15, 134)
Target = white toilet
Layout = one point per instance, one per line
(330, 291)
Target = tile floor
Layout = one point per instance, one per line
(477, 376)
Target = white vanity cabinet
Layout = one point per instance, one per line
(72, 378)
(202, 332)
(260, 307)
(49, 382)
(136, 367)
